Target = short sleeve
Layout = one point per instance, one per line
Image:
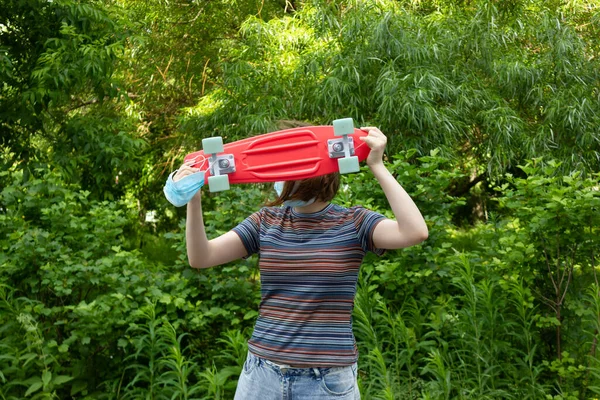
(249, 232)
(365, 222)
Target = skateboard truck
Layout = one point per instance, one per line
(343, 148)
(219, 164)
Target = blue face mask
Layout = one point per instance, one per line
(292, 203)
(181, 192)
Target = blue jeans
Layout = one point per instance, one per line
(264, 380)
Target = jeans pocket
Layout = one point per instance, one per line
(250, 363)
(339, 381)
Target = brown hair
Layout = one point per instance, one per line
(322, 188)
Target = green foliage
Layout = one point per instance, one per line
(59, 101)
(56, 52)
(474, 80)
(75, 291)
(467, 314)
(162, 368)
(168, 370)
(481, 328)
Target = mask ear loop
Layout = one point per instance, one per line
(194, 160)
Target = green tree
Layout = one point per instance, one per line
(498, 83)
(58, 98)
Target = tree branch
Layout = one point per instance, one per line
(84, 104)
(191, 20)
(549, 270)
(551, 303)
(568, 269)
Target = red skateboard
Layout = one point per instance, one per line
(290, 154)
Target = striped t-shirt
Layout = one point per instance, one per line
(308, 271)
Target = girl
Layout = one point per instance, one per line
(310, 252)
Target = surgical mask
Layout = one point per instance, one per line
(181, 192)
(292, 203)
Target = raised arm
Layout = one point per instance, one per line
(204, 253)
(409, 228)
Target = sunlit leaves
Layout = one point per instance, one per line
(480, 78)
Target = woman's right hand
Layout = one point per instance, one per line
(184, 171)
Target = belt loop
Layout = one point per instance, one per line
(317, 372)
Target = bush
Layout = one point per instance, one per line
(507, 308)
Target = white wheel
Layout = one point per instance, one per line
(218, 183)
(344, 126)
(213, 145)
(348, 165)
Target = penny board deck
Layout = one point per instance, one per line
(290, 154)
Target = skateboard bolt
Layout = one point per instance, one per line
(224, 163)
(338, 147)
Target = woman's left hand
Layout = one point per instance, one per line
(376, 141)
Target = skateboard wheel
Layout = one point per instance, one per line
(344, 126)
(218, 183)
(348, 165)
(212, 145)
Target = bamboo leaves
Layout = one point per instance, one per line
(428, 80)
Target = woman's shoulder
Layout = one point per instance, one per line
(358, 212)
(272, 212)
(349, 210)
(341, 211)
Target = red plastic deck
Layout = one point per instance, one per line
(290, 154)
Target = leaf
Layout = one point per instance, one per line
(34, 387)
(60, 379)
(77, 387)
(46, 378)
(250, 314)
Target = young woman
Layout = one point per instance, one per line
(310, 252)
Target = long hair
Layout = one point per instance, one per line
(322, 188)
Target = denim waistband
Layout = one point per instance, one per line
(290, 370)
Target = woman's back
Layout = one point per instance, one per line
(309, 267)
